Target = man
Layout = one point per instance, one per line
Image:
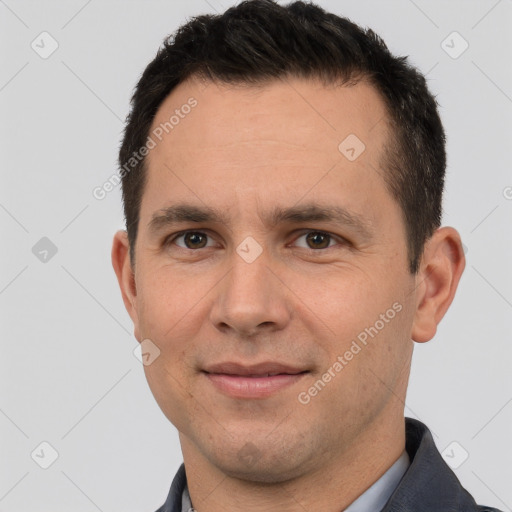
(282, 184)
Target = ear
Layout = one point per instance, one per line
(441, 267)
(125, 276)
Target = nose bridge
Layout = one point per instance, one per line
(249, 267)
(250, 297)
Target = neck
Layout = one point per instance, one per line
(330, 486)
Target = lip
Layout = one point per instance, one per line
(253, 381)
(242, 386)
(255, 370)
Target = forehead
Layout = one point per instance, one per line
(246, 145)
(305, 115)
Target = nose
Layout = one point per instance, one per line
(250, 299)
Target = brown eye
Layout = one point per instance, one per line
(191, 239)
(318, 240)
(195, 240)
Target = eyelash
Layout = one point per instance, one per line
(168, 241)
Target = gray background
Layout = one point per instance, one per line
(68, 373)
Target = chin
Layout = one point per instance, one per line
(259, 472)
(252, 464)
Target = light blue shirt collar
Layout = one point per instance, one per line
(372, 500)
(376, 496)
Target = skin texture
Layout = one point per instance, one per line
(303, 301)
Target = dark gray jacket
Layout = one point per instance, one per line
(429, 485)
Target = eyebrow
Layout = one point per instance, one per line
(312, 212)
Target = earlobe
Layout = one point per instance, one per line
(441, 268)
(125, 276)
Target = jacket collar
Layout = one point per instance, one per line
(429, 483)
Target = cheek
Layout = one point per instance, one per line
(163, 303)
(171, 311)
(170, 390)
(368, 375)
(342, 302)
(369, 325)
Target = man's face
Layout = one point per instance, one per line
(317, 286)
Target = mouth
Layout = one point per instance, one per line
(263, 369)
(252, 382)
